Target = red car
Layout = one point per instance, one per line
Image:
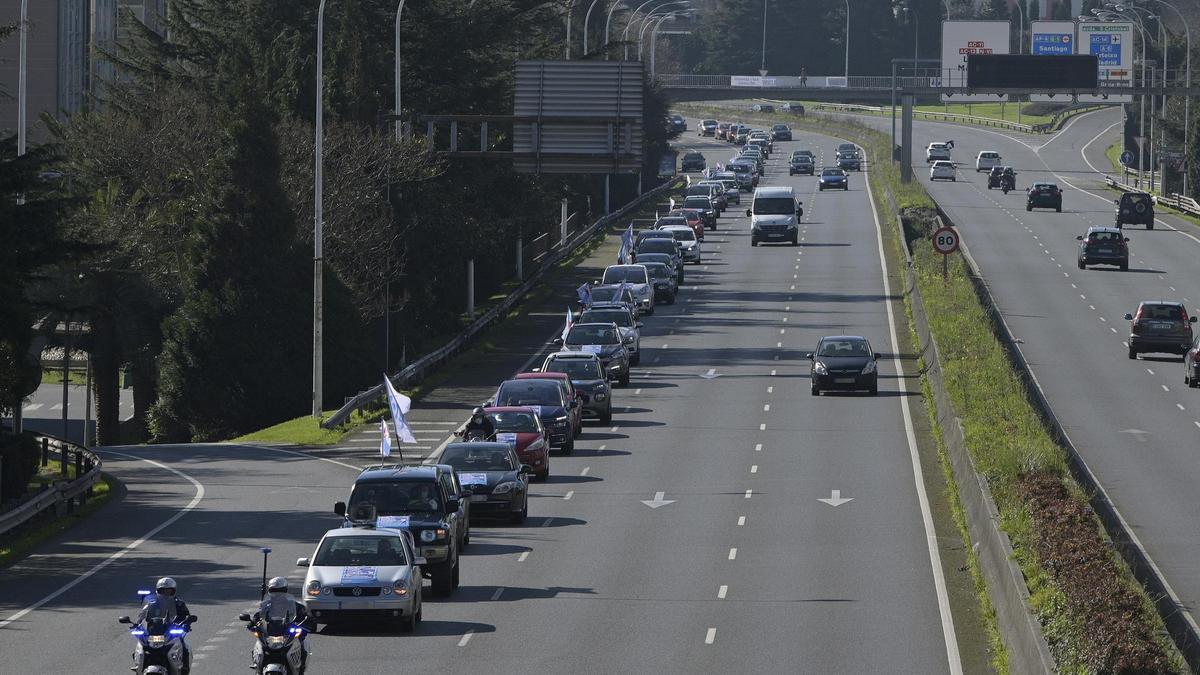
(521, 427)
(569, 392)
(694, 220)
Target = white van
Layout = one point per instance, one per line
(775, 215)
(986, 160)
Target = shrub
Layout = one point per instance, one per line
(18, 462)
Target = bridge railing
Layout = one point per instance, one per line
(906, 79)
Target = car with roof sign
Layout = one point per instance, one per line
(587, 374)
(498, 480)
(631, 328)
(521, 428)
(605, 341)
(568, 389)
(546, 398)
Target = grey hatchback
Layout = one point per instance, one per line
(1160, 327)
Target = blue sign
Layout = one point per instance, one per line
(1053, 44)
(1127, 158)
(1107, 48)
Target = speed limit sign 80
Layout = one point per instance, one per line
(945, 240)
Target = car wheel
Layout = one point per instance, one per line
(454, 574)
(1082, 265)
(420, 607)
(1058, 209)
(544, 476)
(635, 359)
(874, 390)
(795, 242)
(1132, 353)
(606, 418)
(753, 241)
(954, 180)
(569, 447)
(408, 623)
(1125, 266)
(441, 580)
(1029, 207)
(1150, 225)
(625, 379)
(815, 391)
(520, 516)
(1193, 383)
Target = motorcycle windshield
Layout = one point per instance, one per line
(276, 628)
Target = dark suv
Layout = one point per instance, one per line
(1044, 196)
(431, 503)
(1135, 208)
(692, 161)
(1160, 327)
(1103, 246)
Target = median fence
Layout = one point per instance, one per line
(557, 252)
(62, 496)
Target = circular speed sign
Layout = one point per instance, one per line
(945, 240)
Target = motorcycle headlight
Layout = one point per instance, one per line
(156, 640)
(276, 641)
(428, 536)
(313, 589)
(504, 488)
(869, 368)
(819, 368)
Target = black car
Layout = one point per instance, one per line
(997, 173)
(781, 132)
(801, 163)
(844, 362)
(692, 161)
(1103, 246)
(1135, 208)
(763, 107)
(1044, 196)
(705, 206)
(659, 244)
(666, 284)
(545, 396)
(603, 340)
(849, 161)
(1160, 327)
(678, 123)
(498, 481)
(436, 506)
(587, 376)
(672, 262)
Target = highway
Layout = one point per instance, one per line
(1135, 422)
(736, 565)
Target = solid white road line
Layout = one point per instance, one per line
(128, 547)
(939, 580)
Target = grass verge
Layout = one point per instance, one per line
(55, 376)
(989, 111)
(36, 533)
(307, 430)
(1095, 616)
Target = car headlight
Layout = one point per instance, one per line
(428, 536)
(869, 368)
(504, 488)
(600, 396)
(313, 589)
(629, 340)
(400, 589)
(819, 368)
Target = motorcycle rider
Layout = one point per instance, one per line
(165, 603)
(1008, 179)
(479, 425)
(279, 605)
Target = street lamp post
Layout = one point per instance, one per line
(22, 102)
(1187, 100)
(608, 22)
(318, 225)
(846, 65)
(763, 67)
(651, 21)
(633, 15)
(1020, 28)
(586, 18)
(654, 42)
(399, 129)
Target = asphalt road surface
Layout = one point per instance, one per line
(742, 569)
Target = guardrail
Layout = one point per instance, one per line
(62, 494)
(1181, 203)
(933, 116)
(417, 369)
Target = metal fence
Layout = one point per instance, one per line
(62, 495)
(422, 366)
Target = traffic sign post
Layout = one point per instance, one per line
(945, 241)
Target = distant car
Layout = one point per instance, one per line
(763, 107)
(705, 206)
(781, 132)
(708, 128)
(844, 362)
(1103, 246)
(936, 152)
(666, 284)
(742, 135)
(805, 151)
(631, 329)
(1160, 326)
(496, 477)
(674, 263)
(942, 170)
(987, 159)
(522, 429)
(568, 390)
(689, 246)
(693, 218)
(604, 340)
(352, 562)
(1044, 196)
(678, 123)
(728, 188)
(849, 148)
(744, 171)
(762, 144)
(547, 399)
(614, 294)
(722, 129)
(833, 178)
(713, 192)
(849, 161)
(995, 174)
(1135, 208)
(587, 374)
(794, 108)
(800, 163)
(636, 276)
(692, 161)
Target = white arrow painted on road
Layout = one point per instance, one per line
(1136, 433)
(711, 374)
(835, 498)
(657, 501)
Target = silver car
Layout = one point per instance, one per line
(365, 573)
(639, 283)
(689, 246)
(729, 188)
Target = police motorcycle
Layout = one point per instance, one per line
(1008, 181)
(278, 643)
(160, 648)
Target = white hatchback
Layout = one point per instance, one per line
(942, 170)
(937, 151)
(986, 160)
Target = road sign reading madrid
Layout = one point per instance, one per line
(945, 240)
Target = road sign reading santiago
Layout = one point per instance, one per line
(1053, 44)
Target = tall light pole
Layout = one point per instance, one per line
(1105, 15)
(654, 42)
(567, 47)
(763, 68)
(586, 18)
(608, 22)
(23, 68)
(399, 129)
(846, 67)
(633, 15)
(1020, 28)
(318, 224)
(1187, 100)
(651, 20)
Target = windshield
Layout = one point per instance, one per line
(399, 497)
(576, 369)
(661, 258)
(844, 347)
(659, 271)
(360, 551)
(739, 168)
(657, 246)
(1135, 198)
(780, 127)
(670, 220)
(610, 295)
(514, 421)
(693, 155)
(592, 335)
(634, 275)
(774, 206)
(697, 202)
(683, 235)
(832, 172)
(530, 392)
(1105, 236)
(618, 316)
(477, 458)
